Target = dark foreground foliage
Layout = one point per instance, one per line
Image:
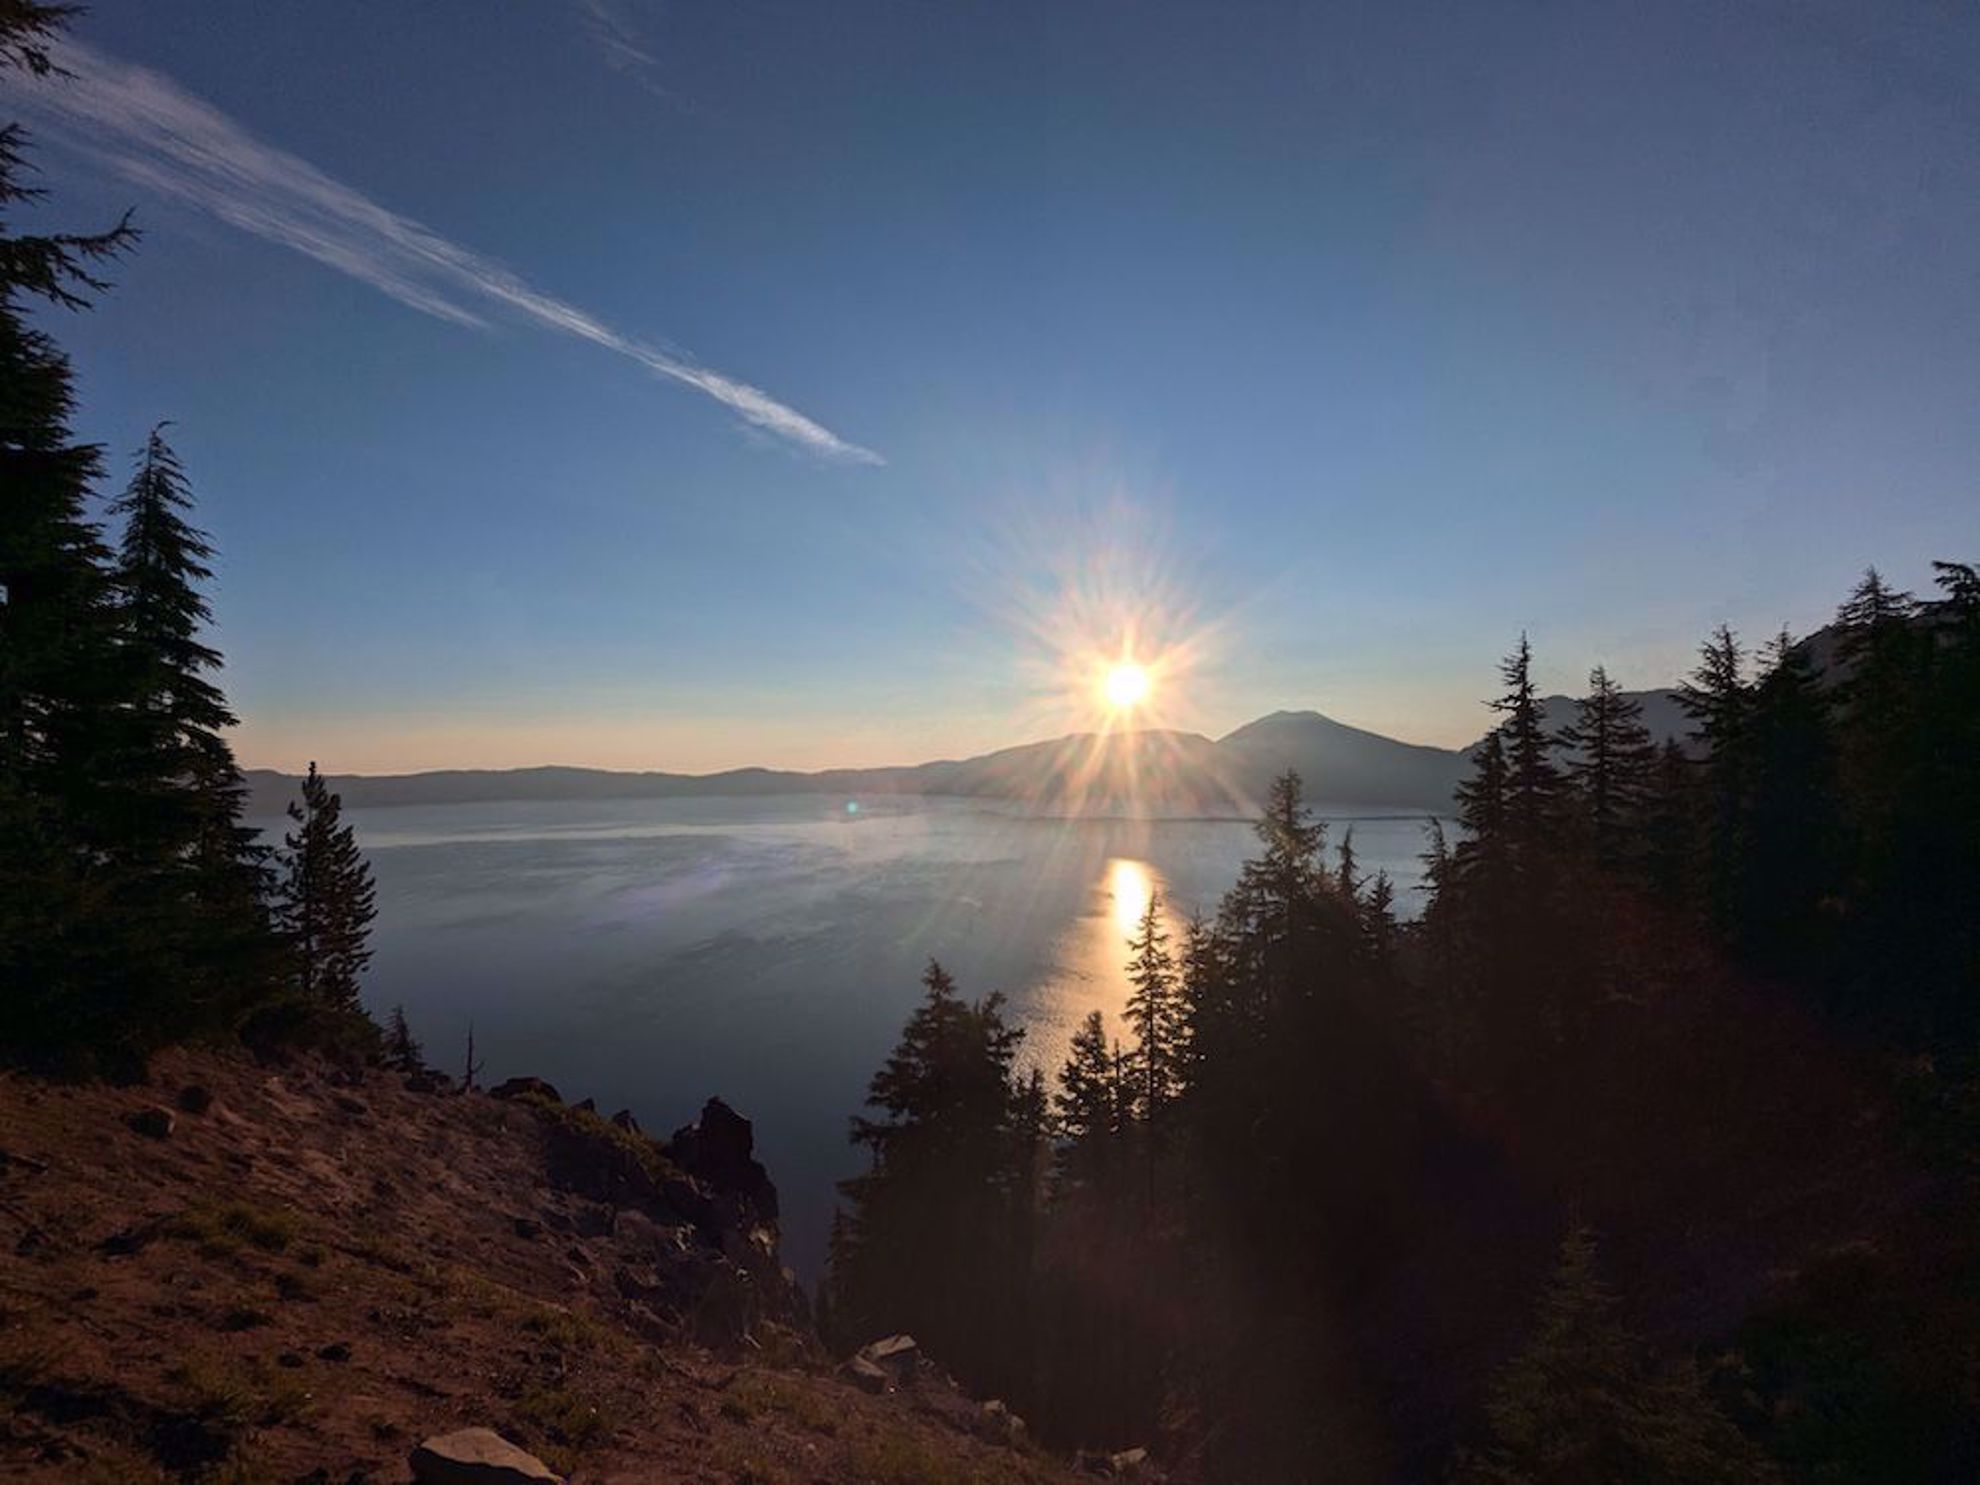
(1713, 1001)
(136, 908)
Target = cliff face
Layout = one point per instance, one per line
(247, 1273)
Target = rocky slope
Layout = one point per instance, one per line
(246, 1273)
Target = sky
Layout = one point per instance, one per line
(681, 386)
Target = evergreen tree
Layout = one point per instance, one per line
(1347, 873)
(1091, 1105)
(1789, 828)
(1670, 826)
(1155, 1014)
(1280, 920)
(1378, 917)
(1532, 780)
(195, 877)
(326, 900)
(402, 1053)
(1480, 859)
(1608, 768)
(61, 961)
(1201, 991)
(942, 1197)
(1580, 1404)
(1717, 699)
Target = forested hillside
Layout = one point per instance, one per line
(1647, 1154)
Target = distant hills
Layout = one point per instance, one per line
(1087, 773)
(1661, 714)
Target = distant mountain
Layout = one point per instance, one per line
(1661, 714)
(1338, 763)
(1083, 773)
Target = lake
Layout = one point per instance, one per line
(649, 953)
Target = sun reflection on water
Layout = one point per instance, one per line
(1089, 971)
(1131, 884)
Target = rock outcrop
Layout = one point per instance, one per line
(698, 1217)
(719, 1150)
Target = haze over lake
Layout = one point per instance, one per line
(648, 953)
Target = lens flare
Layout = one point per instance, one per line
(1127, 685)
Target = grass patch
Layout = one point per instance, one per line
(228, 1400)
(585, 1124)
(563, 1329)
(802, 1405)
(747, 1465)
(223, 1229)
(896, 1459)
(564, 1416)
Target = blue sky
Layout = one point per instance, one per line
(706, 384)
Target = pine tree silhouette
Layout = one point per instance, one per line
(1154, 1014)
(64, 966)
(196, 876)
(1579, 1403)
(327, 899)
(1608, 768)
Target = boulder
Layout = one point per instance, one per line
(896, 1355)
(477, 1456)
(625, 1120)
(525, 1088)
(1127, 1463)
(152, 1122)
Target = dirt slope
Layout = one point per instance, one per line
(314, 1272)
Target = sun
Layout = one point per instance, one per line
(1127, 686)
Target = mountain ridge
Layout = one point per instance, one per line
(1085, 772)
(1082, 770)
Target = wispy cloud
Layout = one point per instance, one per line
(614, 34)
(154, 133)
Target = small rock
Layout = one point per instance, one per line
(525, 1087)
(528, 1227)
(335, 1351)
(1128, 1462)
(999, 1424)
(865, 1375)
(152, 1122)
(477, 1456)
(289, 1359)
(589, 1106)
(195, 1098)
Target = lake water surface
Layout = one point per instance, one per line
(649, 953)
